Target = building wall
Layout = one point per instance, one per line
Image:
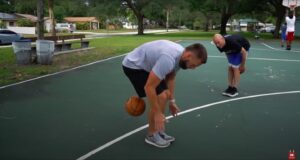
(23, 30)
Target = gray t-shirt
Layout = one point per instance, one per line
(161, 56)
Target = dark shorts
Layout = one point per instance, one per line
(138, 79)
(234, 60)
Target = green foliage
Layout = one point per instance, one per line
(82, 26)
(59, 13)
(25, 23)
(2, 24)
(6, 7)
(25, 6)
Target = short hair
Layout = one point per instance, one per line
(199, 50)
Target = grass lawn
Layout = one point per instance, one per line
(104, 48)
(108, 30)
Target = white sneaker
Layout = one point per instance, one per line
(166, 137)
(156, 141)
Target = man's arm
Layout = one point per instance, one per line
(150, 90)
(170, 79)
(155, 112)
(294, 12)
(244, 56)
(173, 108)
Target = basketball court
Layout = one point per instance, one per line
(79, 113)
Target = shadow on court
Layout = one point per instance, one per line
(66, 116)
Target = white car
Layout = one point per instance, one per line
(65, 26)
(269, 29)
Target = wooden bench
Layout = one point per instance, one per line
(64, 45)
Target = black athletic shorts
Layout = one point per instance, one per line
(138, 79)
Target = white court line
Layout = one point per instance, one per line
(276, 49)
(14, 84)
(260, 49)
(108, 144)
(263, 59)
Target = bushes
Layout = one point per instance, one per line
(82, 26)
(25, 23)
(2, 25)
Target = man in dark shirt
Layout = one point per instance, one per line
(236, 49)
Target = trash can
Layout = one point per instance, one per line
(44, 51)
(85, 44)
(22, 49)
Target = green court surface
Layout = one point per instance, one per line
(79, 114)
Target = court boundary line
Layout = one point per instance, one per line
(266, 45)
(259, 49)
(110, 143)
(60, 72)
(262, 59)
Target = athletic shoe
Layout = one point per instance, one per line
(227, 91)
(156, 141)
(234, 92)
(166, 137)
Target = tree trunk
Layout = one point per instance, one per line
(40, 21)
(139, 15)
(224, 20)
(140, 24)
(179, 19)
(206, 25)
(51, 16)
(167, 24)
(280, 17)
(279, 12)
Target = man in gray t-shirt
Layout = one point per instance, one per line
(152, 68)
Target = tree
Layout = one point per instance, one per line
(207, 8)
(25, 7)
(51, 16)
(40, 21)
(228, 8)
(169, 7)
(6, 6)
(137, 8)
(106, 10)
(279, 12)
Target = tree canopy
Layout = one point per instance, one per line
(194, 14)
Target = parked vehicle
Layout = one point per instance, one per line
(61, 27)
(268, 29)
(8, 36)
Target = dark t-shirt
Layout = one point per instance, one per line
(234, 44)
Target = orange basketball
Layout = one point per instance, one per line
(135, 106)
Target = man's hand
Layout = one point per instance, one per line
(173, 108)
(159, 121)
(242, 69)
